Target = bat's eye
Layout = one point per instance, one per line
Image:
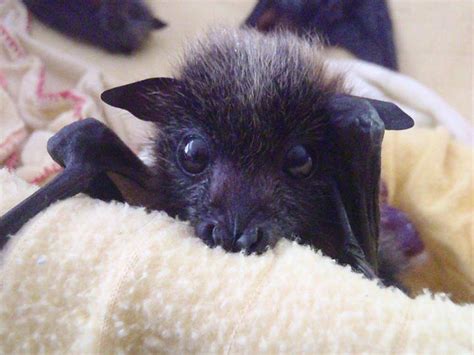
(298, 162)
(193, 155)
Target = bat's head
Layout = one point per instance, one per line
(242, 148)
(126, 24)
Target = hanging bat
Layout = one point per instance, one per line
(119, 26)
(363, 27)
(254, 142)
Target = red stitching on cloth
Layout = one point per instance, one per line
(46, 173)
(68, 95)
(12, 136)
(10, 42)
(3, 81)
(12, 161)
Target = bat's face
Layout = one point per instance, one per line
(250, 175)
(245, 189)
(248, 161)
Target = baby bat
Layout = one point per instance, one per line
(363, 27)
(254, 142)
(119, 26)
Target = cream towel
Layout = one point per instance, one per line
(73, 282)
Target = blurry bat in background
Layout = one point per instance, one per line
(363, 27)
(119, 26)
(254, 142)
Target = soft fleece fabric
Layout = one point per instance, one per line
(91, 277)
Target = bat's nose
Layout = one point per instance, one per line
(248, 239)
(251, 240)
(233, 240)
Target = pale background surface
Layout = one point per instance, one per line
(434, 40)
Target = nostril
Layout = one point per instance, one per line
(218, 235)
(205, 232)
(248, 239)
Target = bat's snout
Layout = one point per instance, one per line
(252, 239)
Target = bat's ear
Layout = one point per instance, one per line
(142, 98)
(158, 24)
(392, 116)
(264, 16)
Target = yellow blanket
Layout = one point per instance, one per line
(90, 277)
(430, 177)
